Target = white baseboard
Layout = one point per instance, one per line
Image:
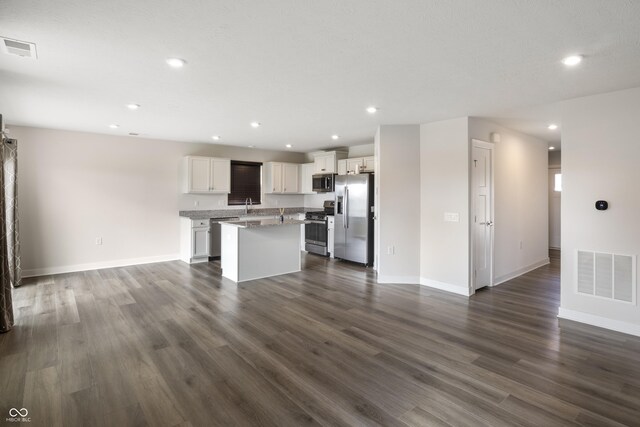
(448, 287)
(599, 321)
(406, 280)
(499, 280)
(98, 265)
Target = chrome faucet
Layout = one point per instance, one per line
(247, 202)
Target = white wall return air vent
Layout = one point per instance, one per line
(609, 276)
(19, 48)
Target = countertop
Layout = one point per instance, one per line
(257, 223)
(226, 213)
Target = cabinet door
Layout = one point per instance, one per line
(306, 177)
(342, 167)
(290, 178)
(276, 177)
(354, 165)
(221, 175)
(320, 163)
(200, 241)
(370, 164)
(199, 174)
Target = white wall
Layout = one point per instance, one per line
(397, 150)
(74, 187)
(521, 217)
(600, 155)
(444, 178)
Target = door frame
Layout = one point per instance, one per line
(490, 146)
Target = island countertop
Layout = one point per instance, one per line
(266, 222)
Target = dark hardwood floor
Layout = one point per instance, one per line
(172, 344)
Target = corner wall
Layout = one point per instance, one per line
(397, 151)
(600, 155)
(444, 178)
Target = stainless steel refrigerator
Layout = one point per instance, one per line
(353, 234)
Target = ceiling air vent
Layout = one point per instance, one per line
(19, 48)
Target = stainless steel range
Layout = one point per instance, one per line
(315, 231)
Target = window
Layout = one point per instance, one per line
(557, 183)
(246, 182)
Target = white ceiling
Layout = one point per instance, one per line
(307, 69)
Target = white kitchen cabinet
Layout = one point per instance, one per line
(207, 175)
(306, 178)
(194, 240)
(327, 161)
(330, 234)
(342, 167)
(356, 164)
(281, 178)
(369, 164)
(302, 217)
(290, 180)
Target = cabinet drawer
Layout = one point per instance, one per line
(200, 223)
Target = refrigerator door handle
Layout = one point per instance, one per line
(346, 207)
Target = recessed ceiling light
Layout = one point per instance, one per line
(134, 133)
(372, 110)
(255, 124)
(334, 137)
(288, 145)
(552, 126)
(572, 61)
(133, 106)
(114, 126)
(552, 148)
(176, 62)
(215, 138)
(251, 146)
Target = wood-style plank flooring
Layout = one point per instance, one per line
(174, 345)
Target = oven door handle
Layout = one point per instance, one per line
(313, 221)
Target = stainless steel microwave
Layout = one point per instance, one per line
(324, 183)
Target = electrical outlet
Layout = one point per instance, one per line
(196, 203)
(277, 202)
(220, 202)
(391, 250)
(98, 240)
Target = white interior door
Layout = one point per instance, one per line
(555, 191)
(482, 220)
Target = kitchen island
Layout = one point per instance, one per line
(259, 248)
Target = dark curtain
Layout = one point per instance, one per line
(9, 243)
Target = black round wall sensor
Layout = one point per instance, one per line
(602, 205)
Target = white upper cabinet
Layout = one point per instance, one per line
(327, 161)
(207, 175)
(306, 178)
(356, 164)
(369, 164)
(281, 178)
(220, 175)
(290, 180)
(342, 167)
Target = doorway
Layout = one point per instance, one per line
(482, 214)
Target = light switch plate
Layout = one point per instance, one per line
(451, 217)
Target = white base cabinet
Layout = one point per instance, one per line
(195, 240)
